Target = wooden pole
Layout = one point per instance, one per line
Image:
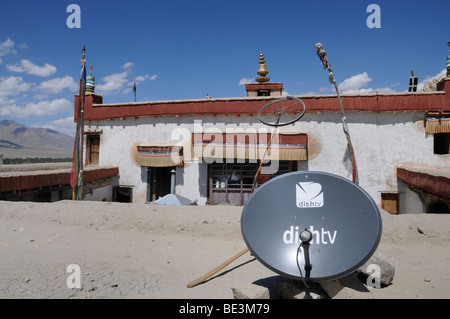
(215, 270)
(229, 261)
(82, 97)
(261, 162)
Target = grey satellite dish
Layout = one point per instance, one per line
(313, 226)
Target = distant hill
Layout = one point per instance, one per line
(20, 141)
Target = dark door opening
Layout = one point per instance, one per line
(441, 143)
(123, 194)
(438, 207)
(159, 181)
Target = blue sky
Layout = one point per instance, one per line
(178, 49)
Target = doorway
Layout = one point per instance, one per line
(158, 182)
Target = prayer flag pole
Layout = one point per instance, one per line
(82, 95)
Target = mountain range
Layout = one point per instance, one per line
(20, 141)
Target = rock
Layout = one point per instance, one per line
(250, 291)
(386, 272)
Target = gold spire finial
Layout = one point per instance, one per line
(262, 71)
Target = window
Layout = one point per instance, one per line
(123, 194)
(263, 93)
(413, 83)
(232, 182)
(389, 202)
(441, 143)
(225, 176)
(93, 149)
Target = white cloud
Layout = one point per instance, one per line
(355, 82)
(427, 79)
(41, 108)
(65, 125)
(7, 47)
(48, 107)
(58, 84)
(113, 83)
(14, 68)
(13, 85)
(128, 65)
(117, 83)
(30, 68)
(142, 78)
(245, 81)
(369, 91)
(126, 91)
(356, 85)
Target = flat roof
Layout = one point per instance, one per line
(256, 98)
(432, 180)
(430, 170)
(95, 110)
(30, 176)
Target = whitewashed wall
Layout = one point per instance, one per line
(381, 141)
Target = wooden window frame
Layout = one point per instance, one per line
(89, 156)
(220, 181)
(386, 201)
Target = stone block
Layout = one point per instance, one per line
(383, 270)
(250, 291)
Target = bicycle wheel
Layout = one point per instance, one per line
(281, 112)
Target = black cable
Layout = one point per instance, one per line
(300, 268)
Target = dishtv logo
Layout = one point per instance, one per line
(309, 195)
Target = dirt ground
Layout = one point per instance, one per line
(153, 251)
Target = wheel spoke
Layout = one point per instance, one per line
(284, 111)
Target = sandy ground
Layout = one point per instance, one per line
(153, 251)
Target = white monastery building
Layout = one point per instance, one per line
(211, 148)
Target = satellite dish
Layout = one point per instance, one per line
(313, 226)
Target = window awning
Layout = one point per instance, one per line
(437, 124)
(283, 147)
(160, 155)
